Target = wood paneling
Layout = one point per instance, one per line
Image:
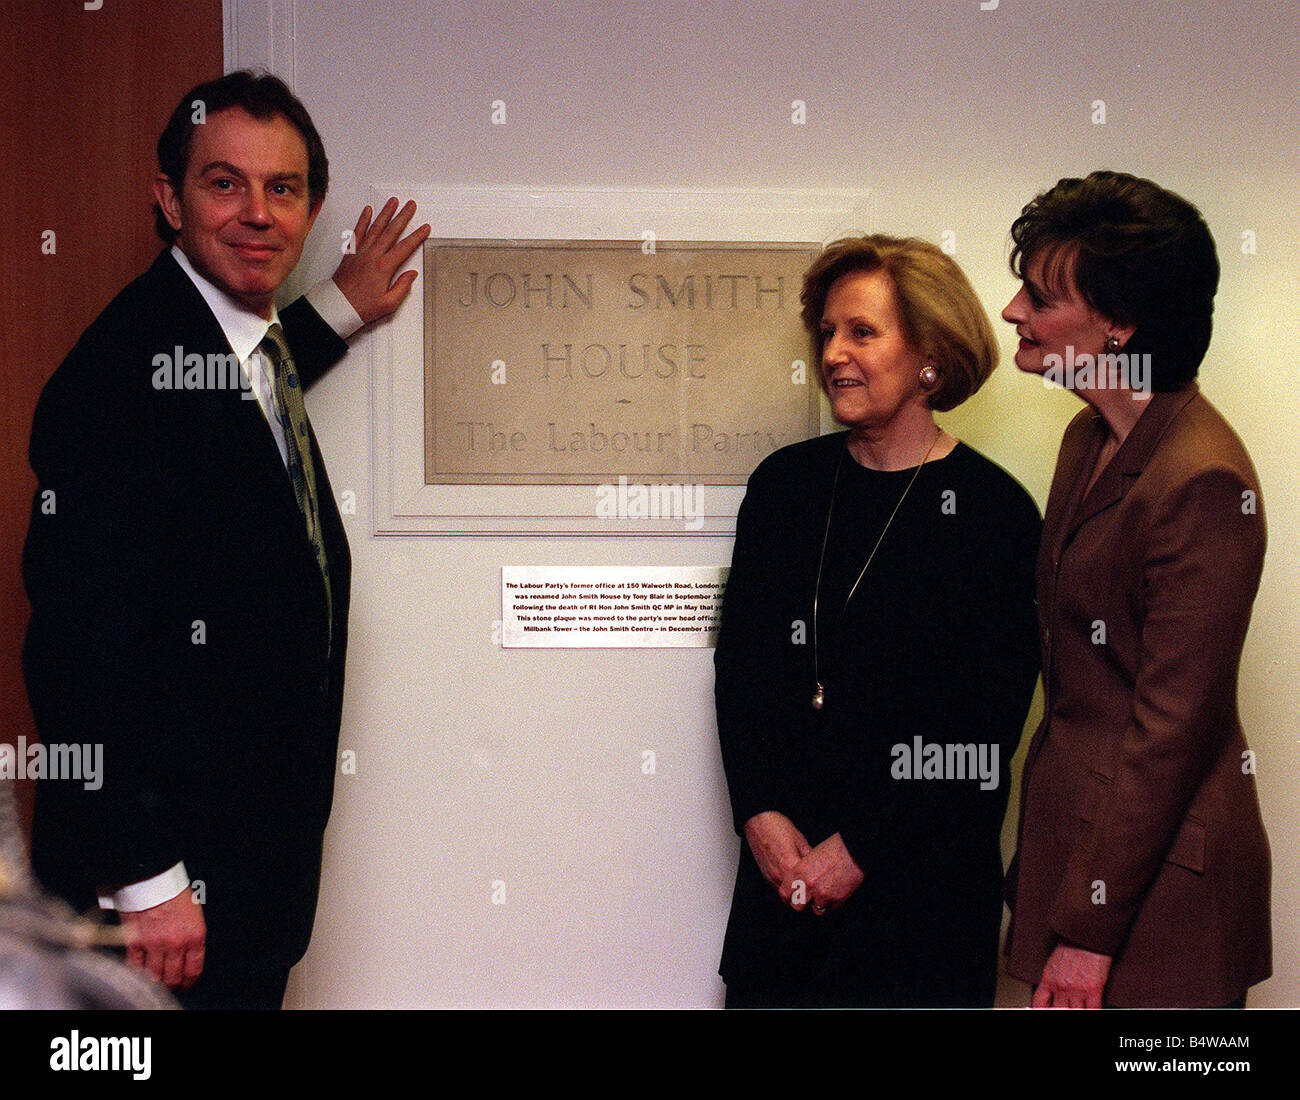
(85, 96)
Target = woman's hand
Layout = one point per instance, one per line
(828, 876)
(1072, 978)
(777, 846)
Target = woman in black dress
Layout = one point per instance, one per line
(876, 659)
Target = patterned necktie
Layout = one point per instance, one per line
(297, 438)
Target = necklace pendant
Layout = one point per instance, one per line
(819, 698)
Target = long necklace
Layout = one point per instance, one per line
(819, 695)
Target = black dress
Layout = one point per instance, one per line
(937, 648)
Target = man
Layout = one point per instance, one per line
(186, 564)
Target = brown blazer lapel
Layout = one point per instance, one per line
(1129, 461)
(1079, 448)
(1066, 513)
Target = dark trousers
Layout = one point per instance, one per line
(253, 990)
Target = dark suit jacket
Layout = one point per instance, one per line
(179, 618)
(1140, 832)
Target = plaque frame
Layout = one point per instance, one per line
(402, 504)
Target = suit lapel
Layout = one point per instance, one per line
(1127, 465)
(253, 451)
(1078, 450)
(1067, 512)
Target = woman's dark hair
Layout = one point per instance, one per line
(263, 96)
(1139, 255)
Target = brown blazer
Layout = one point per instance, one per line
(1140, 832)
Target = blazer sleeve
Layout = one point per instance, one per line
(104, 622)
(1203, 557)
(316, 347)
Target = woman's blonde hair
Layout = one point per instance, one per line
(942, 318)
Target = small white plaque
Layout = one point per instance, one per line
(610, 607)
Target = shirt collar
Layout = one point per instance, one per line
(243, 328)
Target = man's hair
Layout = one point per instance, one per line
(1139, 255)
(263, 97)
(941, 315)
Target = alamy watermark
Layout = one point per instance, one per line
(1107, 371)
(114, 1053)
(932, 760)
(655, 501)
(214, 371)
(55, 761)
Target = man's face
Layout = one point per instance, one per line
(243, 211)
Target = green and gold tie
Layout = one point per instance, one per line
(297, 438)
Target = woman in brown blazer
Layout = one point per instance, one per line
(1142, 875)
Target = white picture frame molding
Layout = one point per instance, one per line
(403, 505)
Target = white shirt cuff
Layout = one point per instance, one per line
(334, 308)
(148, 892)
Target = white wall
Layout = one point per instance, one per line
(476, 763)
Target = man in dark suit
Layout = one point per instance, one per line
(187, 566)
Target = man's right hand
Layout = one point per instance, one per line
(167, 940)
(777, 845)
(368, 276)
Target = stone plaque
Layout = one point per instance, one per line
(577, 362)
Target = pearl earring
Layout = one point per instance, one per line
(1112, 343)
(929, 376)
